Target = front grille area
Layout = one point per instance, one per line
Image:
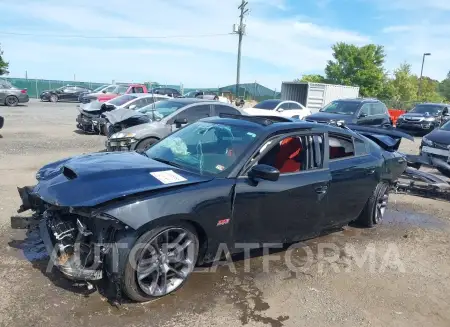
(441, 146)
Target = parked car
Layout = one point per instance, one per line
(174, 93)
(436, 146)
(167, 116)
(11, 95)
(359, 111)
(154, 215)
(278, 108)
(207, 95)
(113, 91)
(424, 117)
(64, 93)
(96, 90)
(90, 119)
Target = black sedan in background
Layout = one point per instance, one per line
(64, 93)
(359, 111)
(143, 220)
(424, 117)
(436, 145)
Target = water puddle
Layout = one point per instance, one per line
(415, 219)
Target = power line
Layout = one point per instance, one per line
(113, 37)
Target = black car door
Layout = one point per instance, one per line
(364, 115)
(67, 93)
(289, 209)
(223, 109)
(353, 178)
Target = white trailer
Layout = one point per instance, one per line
(315, 96)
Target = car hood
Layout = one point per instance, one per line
(417, 115)
(142, 129)
(89, 180)
(439, 136)
(121, 114)
(326, 117)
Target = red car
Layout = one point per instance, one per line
(119, 89)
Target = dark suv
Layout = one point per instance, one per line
(166, 91)
(424, 117)
(358, 111)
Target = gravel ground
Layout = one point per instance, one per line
(406, 282)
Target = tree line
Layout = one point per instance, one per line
(364, 67)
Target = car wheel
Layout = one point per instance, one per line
(160, 262)
(53, 98)
(11, 101)
(145, 144)
(375, 208)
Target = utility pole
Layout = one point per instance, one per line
(421, 73)
(240, 31)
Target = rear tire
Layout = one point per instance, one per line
(140, 285)
(11, 101)
(145, 144)
(53, 98)
(375, 208)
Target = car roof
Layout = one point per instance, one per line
(271, 124)
(432, 104)
(360, 100)
(148, 95)
(187, 101)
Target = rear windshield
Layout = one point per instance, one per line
(341, 107)
(122, 99)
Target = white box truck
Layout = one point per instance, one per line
(315, 96)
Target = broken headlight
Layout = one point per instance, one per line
(427, 141)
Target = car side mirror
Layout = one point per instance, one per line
(264, 172)
(132, 107)
(104, 91)
(362, 115)
(180, 121)
(280, 109)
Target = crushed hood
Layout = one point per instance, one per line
(121, 114)
(92, 179)
(439, 136)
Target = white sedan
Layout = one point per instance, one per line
(290, 109)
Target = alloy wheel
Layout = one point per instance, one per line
(53, 98)
(166, 261)
(11, 101)
(381, 205)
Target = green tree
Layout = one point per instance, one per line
(429, 90)
(405, 84)
(357, 66)
(3, 64)
(313, 78)
(444, 87)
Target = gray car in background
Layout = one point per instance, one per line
(11, 95)
(167, 116)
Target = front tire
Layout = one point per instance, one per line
(53, 98)
(160, 262)
(145, 144)
(11, 101)
(375, 208)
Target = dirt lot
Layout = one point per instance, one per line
(407, 283)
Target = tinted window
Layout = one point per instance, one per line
(5, 84)
(138, 89)
(366, 109)
(360, 147)
(285, 106)
(340, 147)
(378, 109)
(267, 104)
(295, 106)
(193, 148)
(122, 89)
(122, 99)
(219, 109)
(424, 108)
(195, 113)
(341, 107)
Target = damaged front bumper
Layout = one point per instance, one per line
(77, 242)
(90, 125)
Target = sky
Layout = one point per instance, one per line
(190, 41)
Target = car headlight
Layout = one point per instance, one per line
(429, 119)
(400, 118)
(427, 141)
(122, 135)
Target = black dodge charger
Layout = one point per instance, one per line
(144, 220)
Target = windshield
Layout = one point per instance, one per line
(98, 89)
(267, 104)
(122, 99)
(204, 148)
(190, 94)
(422, 109)
(446, 126)
(341, 107)
(161, 109)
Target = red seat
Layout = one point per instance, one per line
(285, 160)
